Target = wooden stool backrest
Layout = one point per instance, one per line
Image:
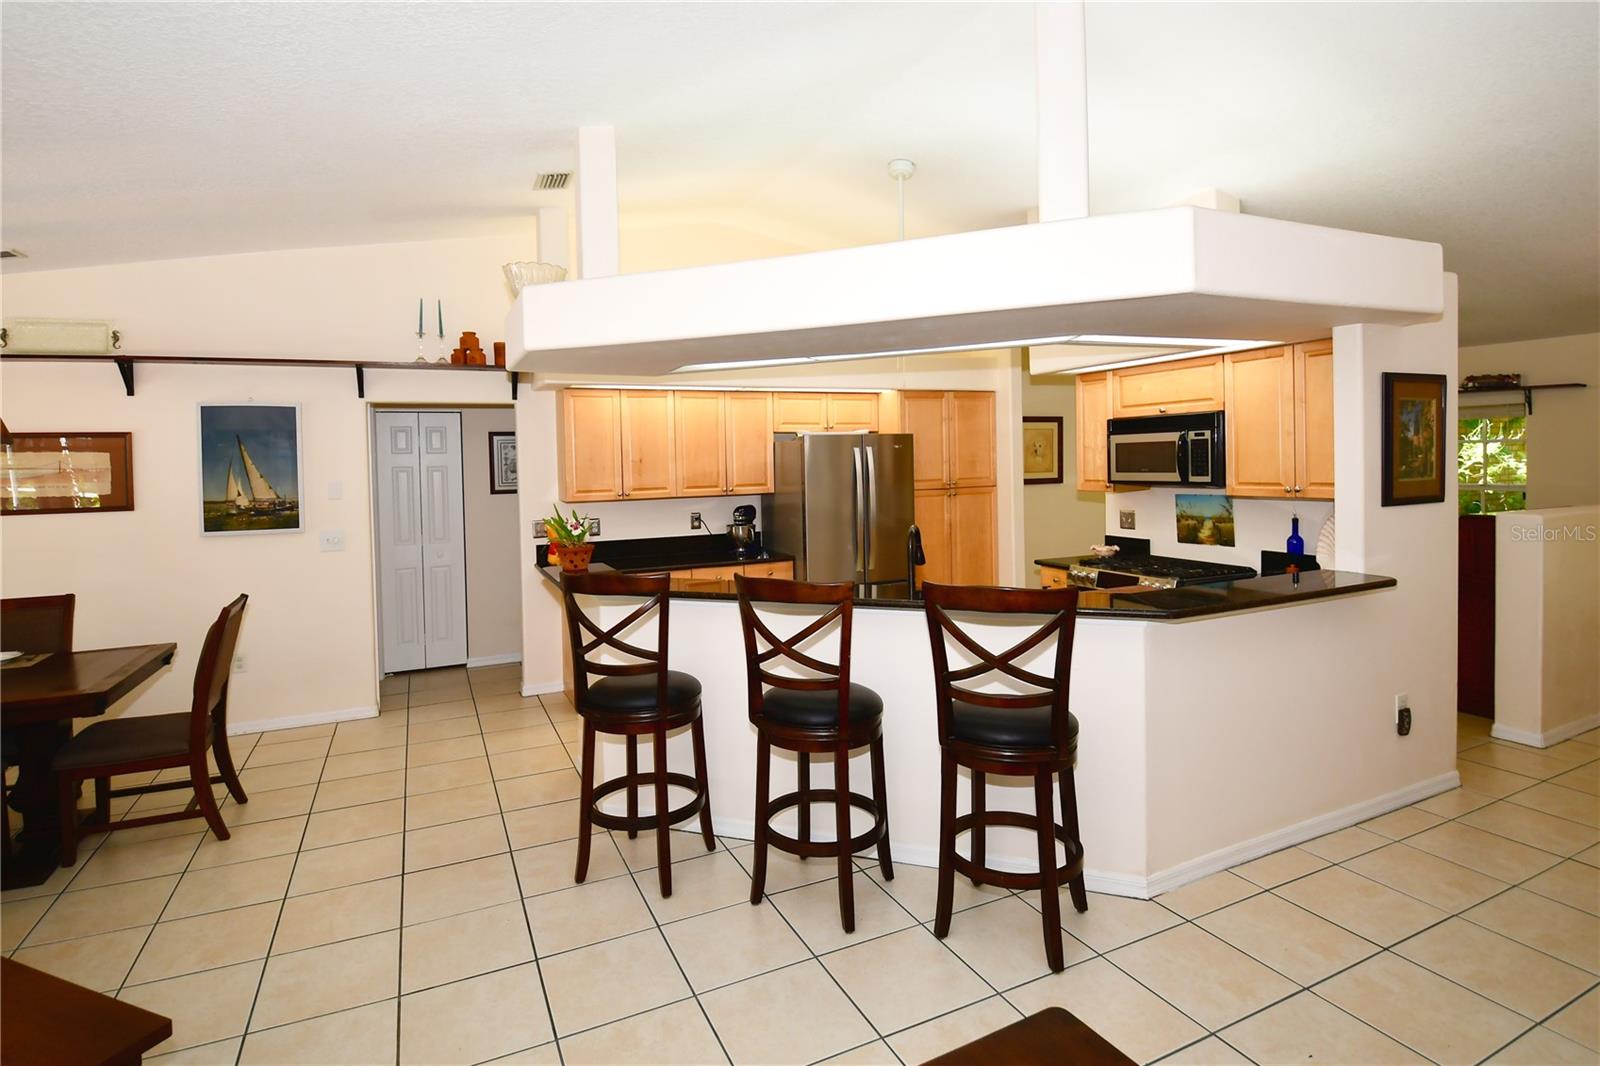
(1058, 607)
(762, 646)
(587, 638)
(37, 623)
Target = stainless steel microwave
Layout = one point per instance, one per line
(1167, 450)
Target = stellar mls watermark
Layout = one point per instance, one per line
(1585, 534)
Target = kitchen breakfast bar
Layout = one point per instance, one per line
(1214, 728)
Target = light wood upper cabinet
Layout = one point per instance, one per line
(700, 467)
(589, 434)
(647, 444)
(800, 412)
(1260, 406)
(971, 438)
(922, 414)
(1168, 388)
(1313, 376)
(747, 421)
(853, 411)
(1094, 408)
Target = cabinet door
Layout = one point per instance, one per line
(1052, 577)
(799, 412)
(1260, 422)
(700, 465)
(647, 452)
(590, 444)
(1168, 388)
(971, 438)
(922, 416)
(932, 518)
(1094, 407)
(783, 569)
(972, 537)
(1313, 391)
(748, 420)
(853, 411)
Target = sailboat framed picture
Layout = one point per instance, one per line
(250, 468)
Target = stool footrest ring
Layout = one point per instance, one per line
(1007, 878)
(823, 848)
(645, 821)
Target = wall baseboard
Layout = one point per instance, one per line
(1546, 739)
(494, 660)
(1118, 884)
(295, 721)
(543, 688)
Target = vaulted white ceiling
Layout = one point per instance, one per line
(146, 131)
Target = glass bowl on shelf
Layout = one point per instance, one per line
(528, 272)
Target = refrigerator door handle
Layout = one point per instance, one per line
(869, 517)
(859, 478)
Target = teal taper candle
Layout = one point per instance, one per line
(441, 320)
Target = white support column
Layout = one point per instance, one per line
(553, 237)
(1061, 73)
(598, 250)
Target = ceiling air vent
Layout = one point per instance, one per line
(17, 253)
(553, 181)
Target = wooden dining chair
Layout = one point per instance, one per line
(140, 744)
(30, 624)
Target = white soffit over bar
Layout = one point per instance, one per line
(1176, 272)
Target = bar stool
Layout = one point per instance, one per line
(633, 699)
(1024, 731)
(808, 715)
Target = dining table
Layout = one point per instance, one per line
(40, 695)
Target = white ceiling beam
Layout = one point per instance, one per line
(599, 251)
(1061, 73)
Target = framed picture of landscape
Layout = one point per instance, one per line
(66, 473)
(250, 469)
(1413, 439)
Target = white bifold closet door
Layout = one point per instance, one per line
(422, 544)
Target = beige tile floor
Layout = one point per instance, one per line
(400, 890)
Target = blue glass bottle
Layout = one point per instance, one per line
(1296, 544)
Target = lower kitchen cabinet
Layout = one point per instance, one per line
(958, 536)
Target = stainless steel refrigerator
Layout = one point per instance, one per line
(842, 505)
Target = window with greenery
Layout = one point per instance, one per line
(1493, 464)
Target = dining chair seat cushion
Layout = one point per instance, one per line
(1005, 727)
(636, 693)
(819, 709)
(126, 740)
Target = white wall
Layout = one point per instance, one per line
(494, 544)
(1547, 624)
(1059, 519)
(1564, 432)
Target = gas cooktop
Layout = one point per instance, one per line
(1151, 571)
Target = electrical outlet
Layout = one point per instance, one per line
(538, 530)
(594, 527)
(1402, 714)
(695, 521)
(1125, 519)
(239, 664)
(332, 540)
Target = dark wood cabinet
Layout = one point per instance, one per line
(1475, 616)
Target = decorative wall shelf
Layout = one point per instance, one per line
(1526, 390)
(125, 365)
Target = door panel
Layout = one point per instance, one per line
(590, 444)
(972, 537)
(398, 506)
(971, 439)
(748, 416)
(1314, 419)
(850, 411)
(832, 516)
(1094, 408)
(1260, 427)
(799, 412)
(933, 521)
(647, 444)
(890, 510)
(922, 416)
(698, 431)
(1168, 388)
(444, 540)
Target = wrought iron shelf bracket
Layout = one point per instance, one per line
(1526, 390)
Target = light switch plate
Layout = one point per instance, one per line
(1125, 519)
(332, 540)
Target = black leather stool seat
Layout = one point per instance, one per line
(820, 709)
(636, 693)
(122, 740)
(1005, 727)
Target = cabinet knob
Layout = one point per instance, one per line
(1298, 490)
(1287, 490)
(1163, 410)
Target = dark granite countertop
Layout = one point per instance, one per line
(650, 554)
(1155, 605)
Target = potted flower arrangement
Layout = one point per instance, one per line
(569, 541)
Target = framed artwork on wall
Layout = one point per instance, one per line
(250, 468)
(1413, 439)
(1041, 450)
(66, 473)
(502, 462)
